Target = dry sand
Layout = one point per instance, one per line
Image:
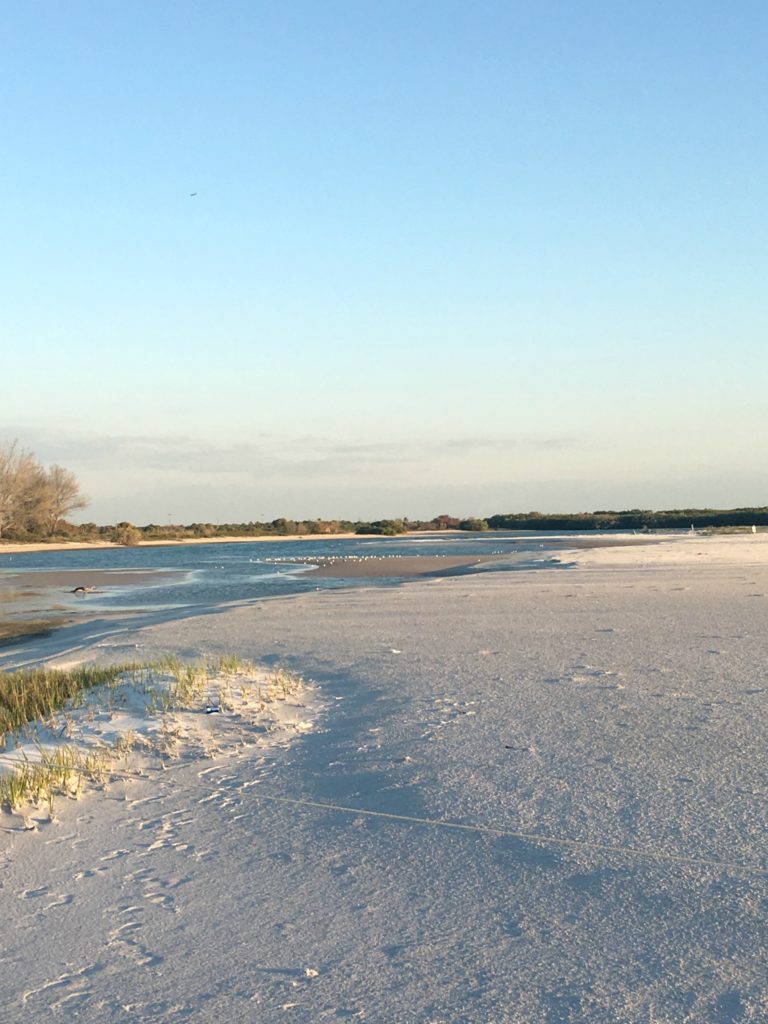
(688, 550)
(536, 797)
(15, 549)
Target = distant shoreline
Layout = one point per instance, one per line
(97, 545)
(587, 539)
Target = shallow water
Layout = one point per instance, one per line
(209, 576)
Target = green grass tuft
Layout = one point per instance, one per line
(37, 693)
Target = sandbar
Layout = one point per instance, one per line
(397, 567)
(34, 579)
(37, 602)
(533, 797)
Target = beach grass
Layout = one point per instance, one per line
(30, 694)
(59, 772)
(46, 697)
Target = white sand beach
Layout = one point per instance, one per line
(523, 798)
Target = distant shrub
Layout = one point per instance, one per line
(474, 525)
(383, 527)
(126, 534)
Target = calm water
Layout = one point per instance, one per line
(212, 575)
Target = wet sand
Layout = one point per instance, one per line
(35, 603)
(394, 567)
(407, 566)
(32, 580)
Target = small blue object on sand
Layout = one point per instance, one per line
(212, 709)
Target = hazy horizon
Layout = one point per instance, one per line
(172, 480)
(356, 261)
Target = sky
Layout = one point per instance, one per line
(360, 260)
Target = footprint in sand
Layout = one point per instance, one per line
(137, 952)
(32, 894)
(124, 943)
(146, 800)
(150, 823)
(61, 839)
(215, 796)
(141, 875)
(160, 899)
(71, 1001)
(178, 814)
(61, 901)
(74, 980)
(159, 844)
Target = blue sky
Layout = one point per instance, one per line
(452, 257)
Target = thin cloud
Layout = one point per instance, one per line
(266, 453)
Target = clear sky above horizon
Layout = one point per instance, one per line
(349, 259)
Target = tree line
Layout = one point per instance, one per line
(128, 534)
(631, 519)
(35, 502)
